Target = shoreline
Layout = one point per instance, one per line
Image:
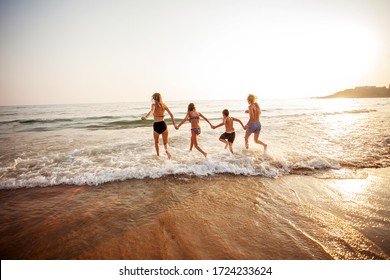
(224, 216)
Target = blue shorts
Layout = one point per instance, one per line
(254, 127)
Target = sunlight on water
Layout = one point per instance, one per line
(339, 105)
(337, 126)
(350, 188)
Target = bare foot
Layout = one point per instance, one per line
(168, 154)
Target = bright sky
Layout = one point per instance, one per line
(80, 51)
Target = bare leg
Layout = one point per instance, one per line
(195, 143)
(225, 142)
(257, 141)
(156, 142)
(246, 140)
(165, 141)
(230, 147)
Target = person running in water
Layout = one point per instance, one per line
(158, 109)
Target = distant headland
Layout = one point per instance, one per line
(362, 92)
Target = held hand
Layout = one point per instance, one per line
(247, 111)
(143, 118)
(176, 127)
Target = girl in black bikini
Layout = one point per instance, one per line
(158, 109)
(193, 117)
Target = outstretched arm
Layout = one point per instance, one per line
(150, 113)
(251, 115)
(183, 121)
(219, 125)
(171, 115)
(239, 121)
(200, 114)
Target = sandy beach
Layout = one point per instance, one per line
(322, 215)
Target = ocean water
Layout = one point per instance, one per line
(321, 191)
(98, 143)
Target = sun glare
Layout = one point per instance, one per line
(352, 187)
(352, 48)
(294, 58)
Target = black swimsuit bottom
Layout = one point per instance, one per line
(229, 136)
(159, 127)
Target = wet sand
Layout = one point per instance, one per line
(327, 215)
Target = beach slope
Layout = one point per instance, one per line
(326, 215)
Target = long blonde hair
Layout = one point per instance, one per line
(157, 99)
(253, 99)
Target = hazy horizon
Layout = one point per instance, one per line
(75, 52)
(149, 100)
